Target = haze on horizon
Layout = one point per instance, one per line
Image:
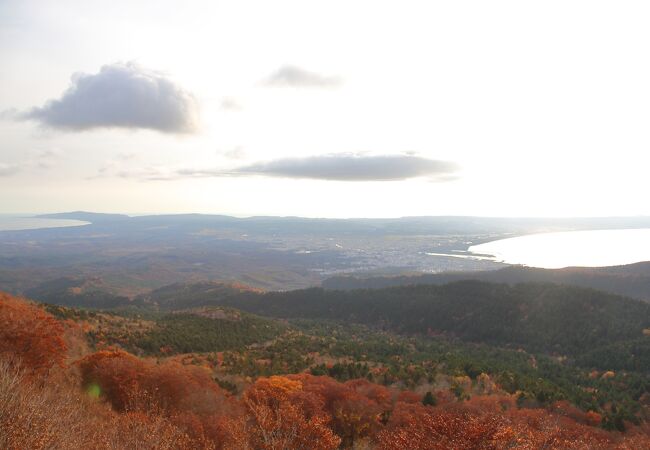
(325, 109)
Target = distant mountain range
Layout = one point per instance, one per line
(444, 225)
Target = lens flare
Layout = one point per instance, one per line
(93, 390)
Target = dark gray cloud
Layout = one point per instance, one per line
(293, 76)
(351, 167)
(120, 95)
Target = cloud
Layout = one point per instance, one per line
(37, 159)
(7, 170)
(333, 167)
(150, 173)
(113, 166)
(42, 159)
(352, 167)
(293, 76)
(9, 114)
(231, 104)
(121, 96)
(48, 154)
(236, 152)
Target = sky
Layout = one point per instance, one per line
(325, 108)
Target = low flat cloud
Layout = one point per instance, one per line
(352, 167)
(293, 76)
(121, 95)
(333, 167)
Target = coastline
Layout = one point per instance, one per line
(11, 222)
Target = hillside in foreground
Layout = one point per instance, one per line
(60, 389)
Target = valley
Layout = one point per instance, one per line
(204, 333)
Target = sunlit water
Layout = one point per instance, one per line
(14, 223)
(573, 248)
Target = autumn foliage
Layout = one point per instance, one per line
(31, 335)
(493, 422)
(281, 414)
(114, 400)
(130, 383)
(39, 416)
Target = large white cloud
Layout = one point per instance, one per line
(123, 95)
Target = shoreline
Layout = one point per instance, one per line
(26, 223)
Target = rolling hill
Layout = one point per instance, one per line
(631, 280)
(548, 318)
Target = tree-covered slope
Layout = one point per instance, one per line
(78, 292)
(189, 295)
(632, 280)
(206, 330)
(538, 317)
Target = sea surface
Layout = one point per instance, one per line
(11, 222)
(596, 248)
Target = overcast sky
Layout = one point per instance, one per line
(326, 109)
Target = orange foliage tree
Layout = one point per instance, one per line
(130, 383)
(186, 395)
(30, 335)
(418, 427)
(357, 407)
(283, 415)
(493, 422)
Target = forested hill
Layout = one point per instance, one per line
(632, 280)
(90, 292)
(538, 317)
(188, 295)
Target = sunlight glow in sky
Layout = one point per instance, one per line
(325, 108)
